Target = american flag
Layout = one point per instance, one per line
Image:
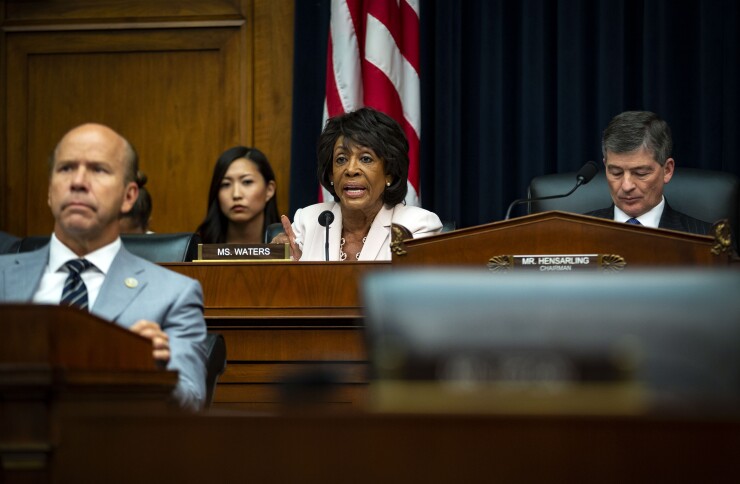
(373, 60)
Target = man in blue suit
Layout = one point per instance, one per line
(7, 242)
(92, 181)
(636, 146)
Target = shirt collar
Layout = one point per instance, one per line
(102, 258)
(648, 219)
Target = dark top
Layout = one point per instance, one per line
(671, 219)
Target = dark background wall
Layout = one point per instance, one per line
(512, 89)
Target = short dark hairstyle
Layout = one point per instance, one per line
(371, 129)
(141, 211)
(213, 228)
(632, 130)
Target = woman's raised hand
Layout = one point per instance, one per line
(288, 238)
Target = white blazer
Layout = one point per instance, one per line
(310, 235)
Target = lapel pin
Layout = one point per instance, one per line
(131, 282)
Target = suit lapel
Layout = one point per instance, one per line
(670, 219)
(607, 213)
(22, 281)
(125, 280)
(378, 236)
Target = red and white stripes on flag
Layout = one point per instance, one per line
(373, 60)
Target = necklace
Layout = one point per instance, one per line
(343, 255)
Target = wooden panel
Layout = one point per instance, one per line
(58, 361)
(35, 336)
(562, 233)
(273, 88)
(176, 78)
(398, 449)
(285, 320)
(253, 408)
(261, 358)
(311, 344)
(280, 288)
(265, 393)
(75, 10)
(170, 92)
(237, 372)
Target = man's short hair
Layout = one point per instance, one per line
(632, 130)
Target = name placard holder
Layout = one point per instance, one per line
(242, 252)
(557, 262)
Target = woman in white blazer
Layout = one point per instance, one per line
(363, 162)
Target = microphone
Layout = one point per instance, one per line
(584, 175)
(325, 219)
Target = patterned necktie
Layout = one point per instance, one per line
(633, 221)
(75, 291)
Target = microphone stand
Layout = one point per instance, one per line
(584, 175)
(326, 218)
(524, 200)
(326, 243)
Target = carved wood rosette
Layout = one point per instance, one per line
(722, 233)
(399, 233)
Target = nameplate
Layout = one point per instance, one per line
(511, 380)
(220, 252)
(557, 262)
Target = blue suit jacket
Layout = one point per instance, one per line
(7, 242)
(671, 220)
(170, 299)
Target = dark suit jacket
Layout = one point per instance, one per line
(671, 220)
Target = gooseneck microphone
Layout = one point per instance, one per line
(584, 175)
(325, 219)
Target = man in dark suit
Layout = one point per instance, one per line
(636, 146)
(92, 181)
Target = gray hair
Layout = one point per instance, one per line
(632, 130)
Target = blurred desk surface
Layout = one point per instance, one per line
(367, 448)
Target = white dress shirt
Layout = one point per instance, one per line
(52, 281)
(648, 219)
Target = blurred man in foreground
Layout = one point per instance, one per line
(92, 181)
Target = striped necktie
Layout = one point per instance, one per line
(633, 221)
(75, 291)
